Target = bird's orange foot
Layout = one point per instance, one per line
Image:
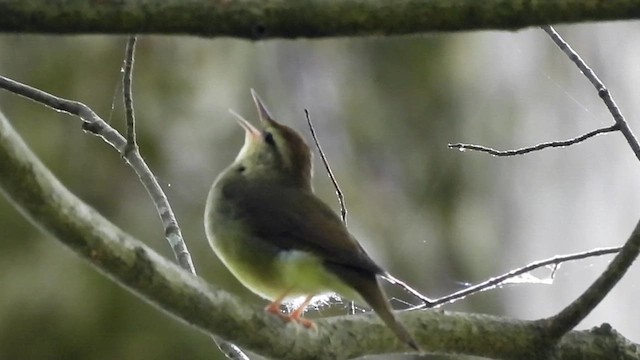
(296, 316)
(275, 310)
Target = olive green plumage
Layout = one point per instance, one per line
(266, 225)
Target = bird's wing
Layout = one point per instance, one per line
(292, 219)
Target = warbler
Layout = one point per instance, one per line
(272, 232)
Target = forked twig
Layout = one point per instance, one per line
(575, 312)
(619, 122)
(96, 125)
(129, 150)
(229, 350)
(500, 280)
(603, 92)
(544, 145)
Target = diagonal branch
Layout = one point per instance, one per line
(171, 226)
(97, 126)
(575, 312)
(51, 207)
(500, 280)
(603, 92)
(327, 167)
(343, 213)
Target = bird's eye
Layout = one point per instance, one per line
(268, 138)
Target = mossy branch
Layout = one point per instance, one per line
(258, 19)
(130, 263)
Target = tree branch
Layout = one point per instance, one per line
(602, 90)
(258, 19)
(130, 263)
(503, 279)
(171, 226)
(575, 312)
(537, 147)
(97, 126)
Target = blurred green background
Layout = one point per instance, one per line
(385, 110)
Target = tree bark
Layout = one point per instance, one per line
(260, 19)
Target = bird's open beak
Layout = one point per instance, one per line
(251, 132)
(263, 113)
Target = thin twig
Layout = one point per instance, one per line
(148, 275)
(343, 206)
(91, 121)
(343, 210)
(575, 312)
(521, 151)
(427, 302)
(500, 280)
(229, 350)
(127, 94)
(132, 154)
(97, 126)
(603, 92)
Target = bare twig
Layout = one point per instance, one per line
(91, 121)
(619, 122)
(97, 126)
(521, 151)
(575, 312)
(603, 92)
(132, 154)
(127, 93)
(230, 350)
(343, 206)
(343, 211)
(500, 280)
(143, 272)
(426, 302)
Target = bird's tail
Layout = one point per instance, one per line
(367, 286)
(374, 295)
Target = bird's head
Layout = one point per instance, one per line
(273, 152)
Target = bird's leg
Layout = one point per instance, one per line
(296, 315)
(274, 306)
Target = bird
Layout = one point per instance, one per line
(267, 226)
